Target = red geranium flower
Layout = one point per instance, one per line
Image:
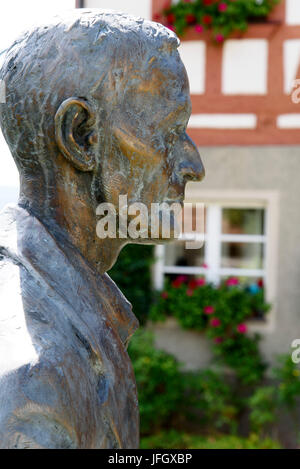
(189, 292)
(190, 19)
(215, 322)
(164, 295)
(199, 28)
(209, 309)
(219, 37)
(207, 19)
(198, 282)
(179, 281)
(232, 281)
(192, 284)
(222, 6)
(242, 328)
(171, 18)
(218, 340)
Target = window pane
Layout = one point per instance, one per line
(243, 221)
(242, 255)
(177, 255)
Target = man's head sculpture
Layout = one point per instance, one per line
(97, 104)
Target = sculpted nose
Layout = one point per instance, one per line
(191, 167)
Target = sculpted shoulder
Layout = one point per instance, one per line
(33, 413)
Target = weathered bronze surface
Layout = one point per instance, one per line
(97, 105)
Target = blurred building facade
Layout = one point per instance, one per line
(248, 130)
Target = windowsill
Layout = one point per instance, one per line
(265, 325)
(254, 326)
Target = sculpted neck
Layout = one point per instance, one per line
(69, 214)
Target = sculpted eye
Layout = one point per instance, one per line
(175, 133)
(180, 129)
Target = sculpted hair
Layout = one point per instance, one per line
(73, 55)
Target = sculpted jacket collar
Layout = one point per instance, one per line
(68, 276)
(74, 322)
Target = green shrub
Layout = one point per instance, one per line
(132, 275)
(241, 353)
(263, 408)
(159, 382)
(288, 375)
(207, 392)
(266, 402)
(176, 440)
(167, 393)
(168, 397)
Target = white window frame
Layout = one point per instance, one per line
(215, 201)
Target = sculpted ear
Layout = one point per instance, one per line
(74, 133)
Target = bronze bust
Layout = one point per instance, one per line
(97, 104)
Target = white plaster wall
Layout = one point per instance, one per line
(293, 11)
(244, 67)
(222, 121)
(288, 121)
(191, 348)
(291, 60)
(193, 56)
(252, 169)
(141, 8)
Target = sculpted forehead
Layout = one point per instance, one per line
(160, 93)
(166, 75)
